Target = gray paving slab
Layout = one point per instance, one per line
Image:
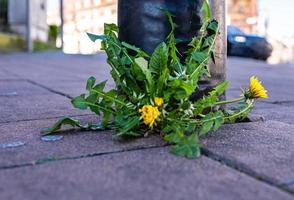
(62, 67)
(19, 88)
(139, 175)
(277, 93)
(278, 79)
(6, 76)
(40, 73)
(14, 108)
(264, 148)
(73, 144)
(75, 88)
(21, 100)
(283, 113)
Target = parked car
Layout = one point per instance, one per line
(245, 45)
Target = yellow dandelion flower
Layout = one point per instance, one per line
(256, 89)
(149, 114)
(158, 101)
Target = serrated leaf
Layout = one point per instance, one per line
(174, 137)
(74, 123)
(126, 125)
(92, 98)
(221, 88)
(199, 56)
(206, 11)
(94, 37)
(233, 116)
(90, 83)
(137, 72)
(180, 89)
(213, 120)
(143, 64)
(206, 126)
(80, 102)
(57, 126)
(188, 147)
(208, 42)
(159, 58)
(136, 49)
(108, 28)
(100, 86)
(220, 120)
(106, 118)
(213, 26)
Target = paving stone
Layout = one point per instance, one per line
(74, 88)
(14, 108)
(19, 88)
(278, 79)
(39, 73)
(6, 76)
(283, 113)
(145, 174)
(63, 67)
(74, 143)
(21, 100)
(266, 148)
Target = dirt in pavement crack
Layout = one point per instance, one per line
(240, 167)
(56, 158)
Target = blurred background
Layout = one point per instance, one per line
(260, 29)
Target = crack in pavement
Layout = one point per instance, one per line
(46, 118)
(49, 89)
(90, 155)
(240, 167)
(287, 184)
(285, 102)
(40, 85)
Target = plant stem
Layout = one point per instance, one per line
(100, 107)
(229, 101)
(242, 111)
(108, 97)
(214, 118)
(210, 49)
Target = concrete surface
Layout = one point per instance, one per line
(144, 174)
(240, 161)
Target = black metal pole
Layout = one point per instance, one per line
(143, 24)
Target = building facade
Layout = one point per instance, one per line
(17, 18)
(243, 14)
(82, 16)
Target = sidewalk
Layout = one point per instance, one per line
(241, 161)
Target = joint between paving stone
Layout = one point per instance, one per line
(242, 168)
(279, 102)
(13, 80)
(42, 86)
(287, 184)
(49, 89)
(46, 118)
(90, 155)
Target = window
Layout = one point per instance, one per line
(3, 14)
(97, 2)
(87, 3)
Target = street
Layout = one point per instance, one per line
(240, 161)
